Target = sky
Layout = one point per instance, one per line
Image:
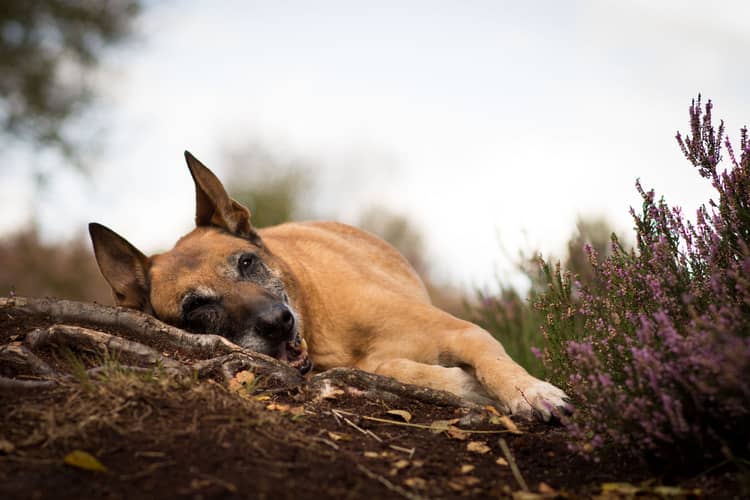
(492, 125)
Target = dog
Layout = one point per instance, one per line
(319, 291)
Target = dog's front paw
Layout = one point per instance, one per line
(539, 399)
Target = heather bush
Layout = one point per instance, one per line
(510, 316)
(655, 348)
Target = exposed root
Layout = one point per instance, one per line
(19, 359)
(14, 383)
(377, 387)
(76, 337)
(142, 339)
(228, 365)
(142, 329)
(140, 326)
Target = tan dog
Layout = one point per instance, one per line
(352, 297)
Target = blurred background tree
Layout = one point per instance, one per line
(48, 51)
(275, 189)
(31, 267)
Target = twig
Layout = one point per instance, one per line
(360, 429)
(409, 451)
(146, 471)
(392, 487)
(421, 426)
(513, 466)
(327, 442)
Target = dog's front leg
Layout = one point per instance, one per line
(451, 379)
(510, 383)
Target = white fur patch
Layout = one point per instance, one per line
(540, 397)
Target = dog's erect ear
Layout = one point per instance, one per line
(214, 207)
(124, 267)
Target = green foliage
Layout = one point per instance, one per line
(514, 321)
(516, 325)
(276, 190)
(398, 230)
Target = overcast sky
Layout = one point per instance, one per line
(489, 123)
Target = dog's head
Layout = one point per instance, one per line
(220, 278)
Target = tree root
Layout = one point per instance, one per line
(19, 358)
(76, 337)
(142, 339)
(228, 365)
(14, 383)
(372, 386)
(140, 326)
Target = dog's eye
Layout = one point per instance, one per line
(246, 264)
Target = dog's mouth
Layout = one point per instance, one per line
(295, 354)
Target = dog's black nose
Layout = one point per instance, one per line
(276, 323)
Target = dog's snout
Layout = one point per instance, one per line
(276, 323)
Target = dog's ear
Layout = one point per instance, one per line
(214, 207)
(124, 267)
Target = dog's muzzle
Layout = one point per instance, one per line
(294, 352)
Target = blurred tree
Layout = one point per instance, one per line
(67, 269)
(48, 49)
(274, 189)
(399, 231)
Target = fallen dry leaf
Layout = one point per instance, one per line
(242, 382)
(501, 461)
(506, 422)
(403, 414)
(463, 482)
(528, 495)
(337, 436)
(415, 482)
(620, 488)
(278, 407)
(328, 391)
(401, 464)
(84, 460)
(546, 489)
(6, 446)
(477, 447)
(457, 433)
(372, 454)
(466, 468)
(439, 426)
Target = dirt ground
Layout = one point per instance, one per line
(152, 435)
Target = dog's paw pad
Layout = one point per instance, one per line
(540, 399)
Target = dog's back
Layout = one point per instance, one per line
(341, 256)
